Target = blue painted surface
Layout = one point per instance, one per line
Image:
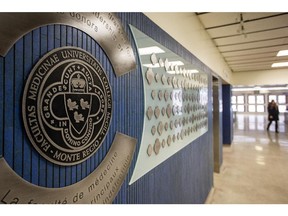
(227, 114)
(184, 178)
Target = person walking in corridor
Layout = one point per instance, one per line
(273, 115)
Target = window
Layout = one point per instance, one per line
(251, 99)
(272, 97)
(255, 103)
(240, 99)
(260, 108)
(260, 99)
(240, 108)
(282, 99)
(233, 99)
(238, 103)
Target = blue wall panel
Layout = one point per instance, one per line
(186, 177)
(1, 104)
(227, 114)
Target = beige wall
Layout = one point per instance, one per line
(271, 77)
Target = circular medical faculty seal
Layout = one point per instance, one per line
(67, 106)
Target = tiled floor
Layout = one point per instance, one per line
(255, 165)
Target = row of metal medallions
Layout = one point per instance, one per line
(180, 122)
(175, 137)
(176, 82)
(177, 95)
(177, 110)
(185, 111)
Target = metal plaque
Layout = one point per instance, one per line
(149, 76)
(105, 28)
(154, 59)
(157, 112)
(149, 112)
(101, 186)
(67, 106)
(169, 94)
(153, 94)
(149, 150)
(157, 146)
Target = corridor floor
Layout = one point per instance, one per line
(255, 165)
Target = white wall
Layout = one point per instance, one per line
(187, 29)
(270, 77)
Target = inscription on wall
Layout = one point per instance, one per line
(101, 186)
(105, 28)
(67, 108)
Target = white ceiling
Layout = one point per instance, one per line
(248, 41)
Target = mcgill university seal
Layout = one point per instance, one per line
(67, 106)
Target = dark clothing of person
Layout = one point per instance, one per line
(273, 115)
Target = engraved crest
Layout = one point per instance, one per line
(71, 107)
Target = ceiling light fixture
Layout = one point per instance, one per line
(280, 64)
(282, 53)
(241, 29)
(150, 50)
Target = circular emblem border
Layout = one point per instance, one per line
(35, 122)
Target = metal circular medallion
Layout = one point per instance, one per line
(157, 112)
(160, 95)
(163, 79)
(67, 106)
(171, 125)
(157, 146)
(163, 110)
(163, 143)
(169, 140)
(160, 128)
(149, 76)
(157, 77)
(169, 80)
(166, 64)
(161, 63)
(168, 110)
(166, 126)
(153, 94)
(153, 129)
(149, 150)
(149, 112)
(154, 59)
(166, 95)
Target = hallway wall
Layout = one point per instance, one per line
(186, 177)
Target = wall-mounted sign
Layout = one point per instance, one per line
(67, 108)
(67, 105)
(176, 99)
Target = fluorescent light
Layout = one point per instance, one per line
(280, 64)
(174, 63)
(150, 50)
(157, 65)
(262, 89)
(282, 53)
(193, 71)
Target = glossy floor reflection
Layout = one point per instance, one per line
(255, 166)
